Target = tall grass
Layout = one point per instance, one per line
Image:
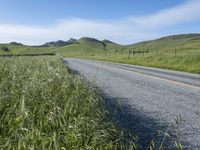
(188, 63)
(42, 106)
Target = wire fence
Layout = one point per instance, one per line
(131, 53)
(15, 55)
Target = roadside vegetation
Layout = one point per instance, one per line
(43, 106)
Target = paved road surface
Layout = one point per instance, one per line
(148, 99)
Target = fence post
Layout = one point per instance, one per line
(175, 52)
(129, 53)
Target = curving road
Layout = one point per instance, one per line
(148, 99)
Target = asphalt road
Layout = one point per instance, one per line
(148, 99)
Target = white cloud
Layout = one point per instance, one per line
(76, 28)
(122, 31)
(187, 12)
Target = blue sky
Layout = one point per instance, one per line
(129, 21)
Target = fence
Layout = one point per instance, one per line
(16, 55)
(131, 53)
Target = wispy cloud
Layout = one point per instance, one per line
(123, 31)
(187, 12)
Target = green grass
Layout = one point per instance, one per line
(43, 106)
(35, 50)
(188, 61)
(14, 49)
(23, 49)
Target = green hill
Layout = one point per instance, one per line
(182, 41)
(92, 43)
(88, 45)
(165, 44)
(59, 43)
(17, 48)
(12, 48)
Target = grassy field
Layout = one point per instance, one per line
(43, 106)
(14, 48)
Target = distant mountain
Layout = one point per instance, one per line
(89, 39)
(59, 43)
(56, 43)
(72, 40)
(94, 43)
(15, 43)
(107, 41)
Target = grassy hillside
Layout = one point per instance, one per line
(87, 45)
(184, 41)
(72, 47)
(81, 47)
(12, 48)
(23, 49)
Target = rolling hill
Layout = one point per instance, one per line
(59, 43)
(182, 41)
(74, 47)
(89, 45)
